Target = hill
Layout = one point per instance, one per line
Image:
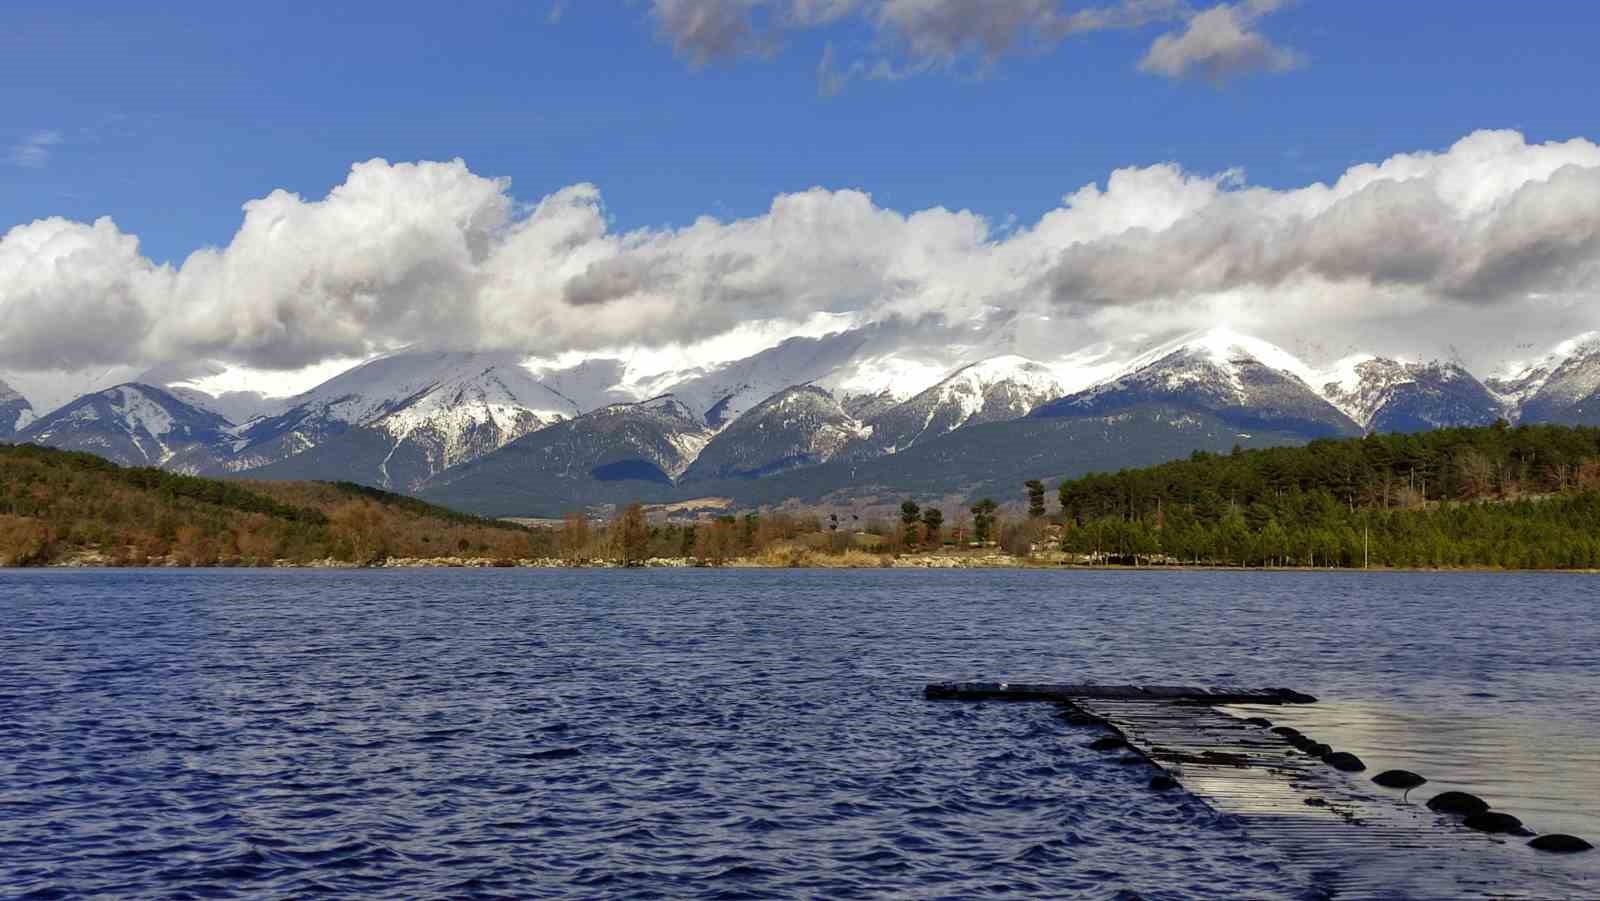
(62, 505)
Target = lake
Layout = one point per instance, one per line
(732, 733)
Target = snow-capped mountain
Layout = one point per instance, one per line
(1561, 387)
(437, 408)
(458, 420)
(839, 362)
(190, 381)
(497, 433)
(999, 388)
(1244, 381)
(628, 446)
(798, 426)
(136, 425)
(15, 412)
(1384, 395)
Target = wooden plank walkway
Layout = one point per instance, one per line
(1350, 838)
(1023, 691)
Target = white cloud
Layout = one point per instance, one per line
(34, 151)
(1490, 233)
(75, 295)
(1220, 44)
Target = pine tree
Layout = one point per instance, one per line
(910, 515)
(1035, 498)
(983, 519)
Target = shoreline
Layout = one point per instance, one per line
(918, 561)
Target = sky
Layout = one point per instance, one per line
(277, 188)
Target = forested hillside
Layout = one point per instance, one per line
(57, 505)
(1524, 497)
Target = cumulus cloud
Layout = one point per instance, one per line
(72, 295)
(1219, 44)
(432, 255)
(34, 150)
(1417, 221)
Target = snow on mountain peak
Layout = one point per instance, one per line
(970, 387)
(1224, 347)
(1006, 367)
(133, 424)
(15, 411)
(1360, 384)
(138, 410)
(1519, 381)
(896, 376)
(1199, 357)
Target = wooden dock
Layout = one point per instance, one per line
(1178, 694)
(1349, 837)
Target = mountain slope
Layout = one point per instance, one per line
(861, 367)
(620, 452)
(15, 412)
(1383, 395)
(722, 394)
(799, 426)
(1243, 381)
(1562, 388)
(999, 388)
(396, 421)
(136, 425)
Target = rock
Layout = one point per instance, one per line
(1109, 743)
(1459, 803)
(1261, 721)
(1316, 802)
(1286, 731)
(1493, 821)
(1398, 779)
(1162, 783)
(1343, 761)
(1318, 749)
(1557, 843)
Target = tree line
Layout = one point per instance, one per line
(1497, 496)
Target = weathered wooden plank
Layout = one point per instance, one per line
(1026, 691)
(1354, 840)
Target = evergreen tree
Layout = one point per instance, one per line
(910, 515)
(932, 524)
(1035, 498)
(983, 519)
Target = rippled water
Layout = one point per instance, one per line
(727, 733)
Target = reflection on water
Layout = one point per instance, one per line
(1545, 770)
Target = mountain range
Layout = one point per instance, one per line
(830, 419)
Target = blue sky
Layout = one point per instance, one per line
(167, 117)
(681, 182)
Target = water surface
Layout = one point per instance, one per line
(728, 734)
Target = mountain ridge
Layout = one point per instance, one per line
(424, 422)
